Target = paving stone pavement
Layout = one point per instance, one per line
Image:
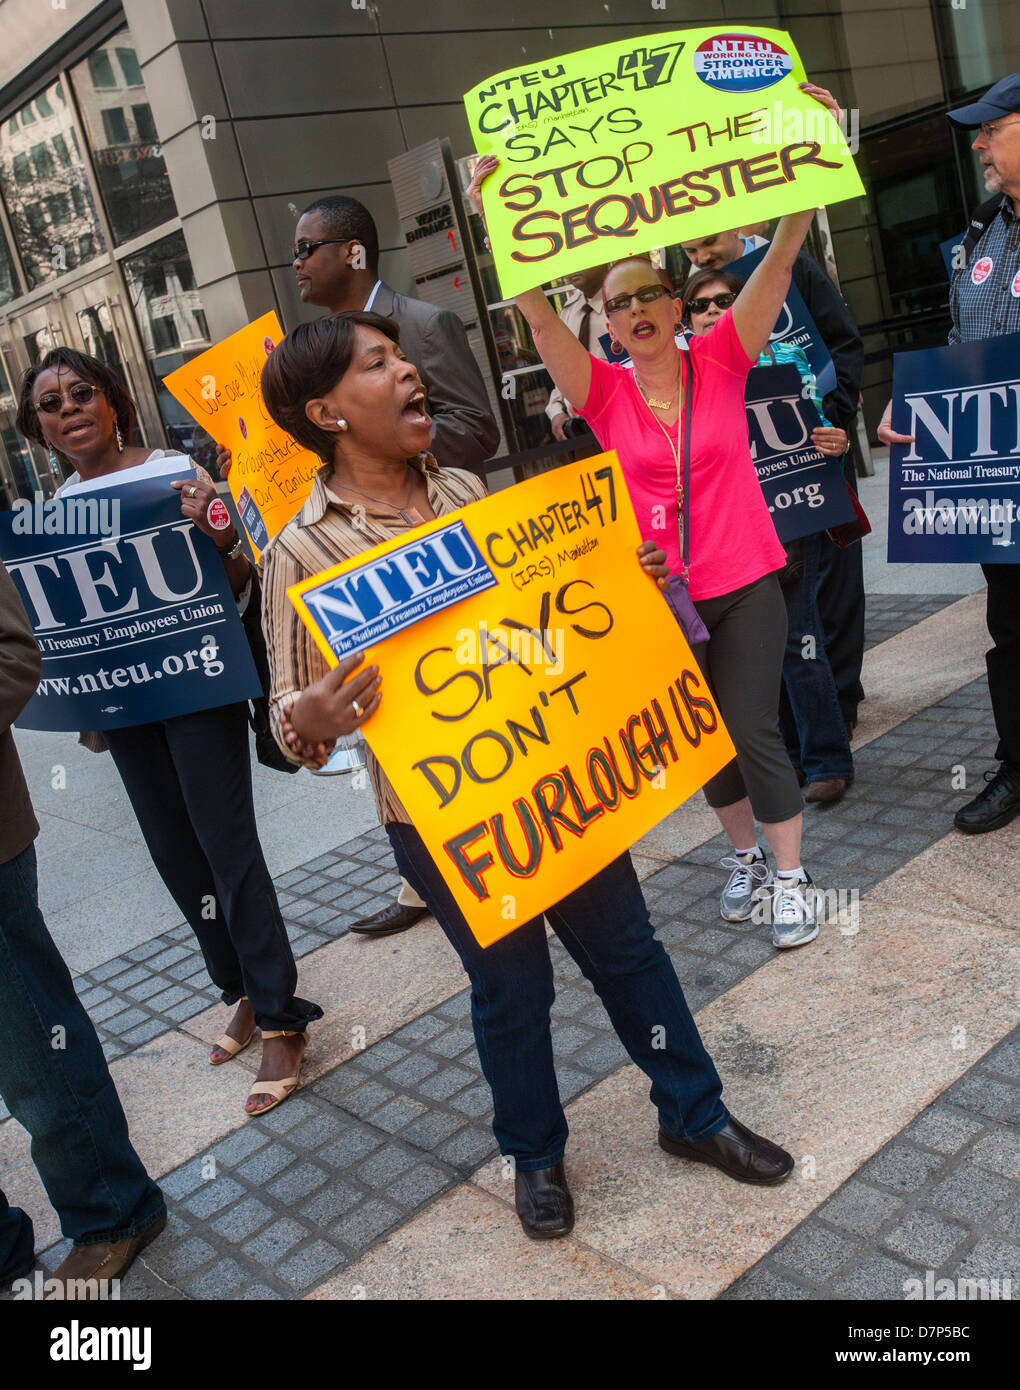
(290, 1200)
(163, 982)
(939, 1201)
(287, 1201)
(890, 614)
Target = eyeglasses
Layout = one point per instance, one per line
(80, 394)
(990, 128)
(721, 301)
(304, 247)
(648, 294)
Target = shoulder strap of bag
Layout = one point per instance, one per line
(686, 505)
(982, 216)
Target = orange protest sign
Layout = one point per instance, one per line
(271, 474)
(541, 709)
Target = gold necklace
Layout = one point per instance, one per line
(650, 400)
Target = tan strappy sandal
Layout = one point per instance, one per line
(280, 1090)
(230, 1045)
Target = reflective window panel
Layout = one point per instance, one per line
(122, 136)
(171, 323)
(46, 189)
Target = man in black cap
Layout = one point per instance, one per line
(987, 305)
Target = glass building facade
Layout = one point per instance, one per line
(91, 252)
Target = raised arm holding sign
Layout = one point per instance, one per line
(613, 150)
(678, 425)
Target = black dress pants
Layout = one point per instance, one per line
(189, 782)
(1003, 661)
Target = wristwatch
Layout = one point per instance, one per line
(235, 550)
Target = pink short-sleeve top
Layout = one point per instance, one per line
(733, 541)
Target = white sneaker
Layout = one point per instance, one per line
(794, 909)
(750, 878)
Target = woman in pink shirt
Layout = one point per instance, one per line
(734, 550)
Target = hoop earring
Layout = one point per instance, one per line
(617, 348)
(120, 441)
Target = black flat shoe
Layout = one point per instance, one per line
(544, 1203)
(993, 807)
(391, 919)
(736, 1151)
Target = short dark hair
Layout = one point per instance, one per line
(89, 369)
(346, 217)
(697, 282)
(307, 364)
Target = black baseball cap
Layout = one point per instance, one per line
(998, 101)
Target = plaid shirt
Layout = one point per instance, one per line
(326, 530)
(990, 307)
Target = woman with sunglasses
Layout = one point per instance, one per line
(188, 778)
(343, 388)
(734, 551)
(810, 715)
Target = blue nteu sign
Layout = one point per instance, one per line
(386, 594)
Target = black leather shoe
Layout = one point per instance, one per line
(392, 919)
(737, 1151)
(994, 807)
(544, 1203)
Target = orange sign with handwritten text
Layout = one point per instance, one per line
(271, 474)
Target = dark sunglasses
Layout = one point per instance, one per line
(80, 394)
(721, 301)
(648, 294)
(304, 248)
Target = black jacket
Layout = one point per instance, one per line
(20, 665)
(838, 332)
(434, 340)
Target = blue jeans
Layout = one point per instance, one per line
(604, 925)
(810, 715)
(55, 1082)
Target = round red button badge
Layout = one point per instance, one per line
(1015, 286)
(982, 269)
(267, 345)
(217, 515)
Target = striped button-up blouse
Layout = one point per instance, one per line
(330, 528)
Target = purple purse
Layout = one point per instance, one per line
(676, 592)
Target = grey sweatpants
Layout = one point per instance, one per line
(743, 664)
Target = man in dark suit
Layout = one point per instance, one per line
(53, 1075)
(336, 259)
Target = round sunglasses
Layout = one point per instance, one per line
(721, 301)
(80, 394)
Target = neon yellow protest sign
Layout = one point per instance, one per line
(613, 150)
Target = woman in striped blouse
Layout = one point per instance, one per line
(342, 388)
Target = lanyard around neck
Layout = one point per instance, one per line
(683, 478)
